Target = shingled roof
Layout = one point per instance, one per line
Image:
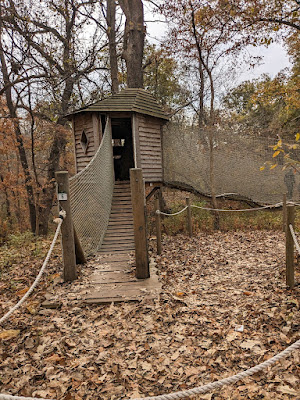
(130, 99)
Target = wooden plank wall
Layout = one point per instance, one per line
(84, 122)
(149, 129)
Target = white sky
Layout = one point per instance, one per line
(274, 59)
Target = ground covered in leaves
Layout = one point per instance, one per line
(214, 286)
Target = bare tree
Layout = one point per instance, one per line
(47, 68)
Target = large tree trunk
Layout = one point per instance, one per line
(111, 34)
(134, 37)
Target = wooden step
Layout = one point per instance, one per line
(118, 239)
(118, 233)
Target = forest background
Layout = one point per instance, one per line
(58, 55)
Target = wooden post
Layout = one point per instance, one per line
(289, 252)
(67, 229)
(139, 223)
(79, 253)
(158, 226)
(189, 217)
(284, 212)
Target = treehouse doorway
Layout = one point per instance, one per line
(122, 147)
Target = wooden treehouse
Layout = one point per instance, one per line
(135, 122)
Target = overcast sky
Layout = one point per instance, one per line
(274, 59)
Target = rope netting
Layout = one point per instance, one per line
(238, 162)
(91, 192)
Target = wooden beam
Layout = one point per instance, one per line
(189, 217)
(96, 131)
(136, 141)
(289, 249)
(158, 226)
(139, 223)
(67, 229)
(79, 253)
(284, 212)
(153, 191)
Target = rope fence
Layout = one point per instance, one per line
(294, 238)
(201, 389)
(38, 278)
(220, 209)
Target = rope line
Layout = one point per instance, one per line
(38, 278)
(294, 238)
(219, 209)
(169, 215)
(200, 389)
(226, 381)
(242, 210)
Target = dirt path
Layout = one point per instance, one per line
(211, 285)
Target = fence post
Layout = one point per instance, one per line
(139, 223)
(189, 217)
(284, 212)
(158, 226)
(289, 252)
(67, 229)
(79, 253)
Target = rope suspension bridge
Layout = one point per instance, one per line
(97, 206)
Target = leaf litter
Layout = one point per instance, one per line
(187, 337)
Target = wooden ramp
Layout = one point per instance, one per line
(114, 277)
(119, 237)
(114, 281)
(110, 276)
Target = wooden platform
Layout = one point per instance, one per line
(110, 276)
(107, 278)
(114, 281)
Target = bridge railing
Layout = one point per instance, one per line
(91, 192)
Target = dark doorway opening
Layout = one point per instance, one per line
(122, 147)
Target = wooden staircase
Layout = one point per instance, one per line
(119, 237)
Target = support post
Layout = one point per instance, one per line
(67, 229)
(139, 223)
(289, 252)
(79, 253)
(158, 226)
(189, 217)
(284, 212)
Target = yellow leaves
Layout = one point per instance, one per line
(297, 137)
(278, 145)
(9, 334)
(276, 153)
(262, 168)
(273, 166)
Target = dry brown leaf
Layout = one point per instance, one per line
(9, 334)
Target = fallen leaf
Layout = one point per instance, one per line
(9, 334)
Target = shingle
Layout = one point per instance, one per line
(130, 100)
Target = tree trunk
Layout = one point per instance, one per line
(212, 178)
(111, 34)
(134, 36)
(18, 134)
